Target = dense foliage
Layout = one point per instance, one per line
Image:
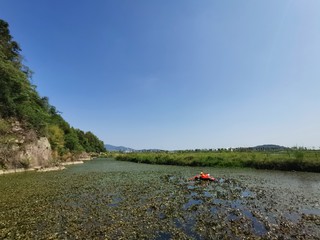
(291, 159)
(20, 100)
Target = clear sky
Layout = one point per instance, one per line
(179, 74)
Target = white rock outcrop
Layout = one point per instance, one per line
(37, 153)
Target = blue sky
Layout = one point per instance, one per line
(180, 74)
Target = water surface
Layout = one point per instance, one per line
(109, 199)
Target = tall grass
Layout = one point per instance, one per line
(297, 160)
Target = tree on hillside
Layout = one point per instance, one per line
(83, 140)
(9, 49)
(56, 137)
(18, 96)
(95, 144)
(20, 100)
(72, 142)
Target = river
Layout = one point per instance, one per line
(108, 199)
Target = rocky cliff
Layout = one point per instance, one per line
(21, 148)
(37, 153)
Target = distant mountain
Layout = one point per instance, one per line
(268, 147)
(150, 150)
(265, 147)
(112, 148)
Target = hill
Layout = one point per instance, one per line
(112, 148)
(269, 147)
(27, 119)
(265, 147)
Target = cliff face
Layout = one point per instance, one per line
(37, 153)
(21, 148)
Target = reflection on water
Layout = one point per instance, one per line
(312, 211)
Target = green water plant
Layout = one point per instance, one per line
(305, 160)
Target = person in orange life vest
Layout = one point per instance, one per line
(204, 175)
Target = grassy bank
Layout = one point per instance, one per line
(297, 160)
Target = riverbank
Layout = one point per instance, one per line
(36, 169)
(20, 170)
(308, 161)
(40, 169)
(72, 163)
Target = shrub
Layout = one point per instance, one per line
(4, 126)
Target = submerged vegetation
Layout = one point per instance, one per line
(107, 199)
(289, 159)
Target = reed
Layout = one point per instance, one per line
(295, 160)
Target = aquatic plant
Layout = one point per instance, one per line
(299, 161)
(108, 199)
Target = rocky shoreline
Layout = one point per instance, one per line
(40, 169)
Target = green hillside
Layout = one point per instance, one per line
(20, 102)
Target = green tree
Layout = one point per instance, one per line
(72, 142)
(83, 140)
(18, 97)
(56, 137)
(8, 48)
(95, 144)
